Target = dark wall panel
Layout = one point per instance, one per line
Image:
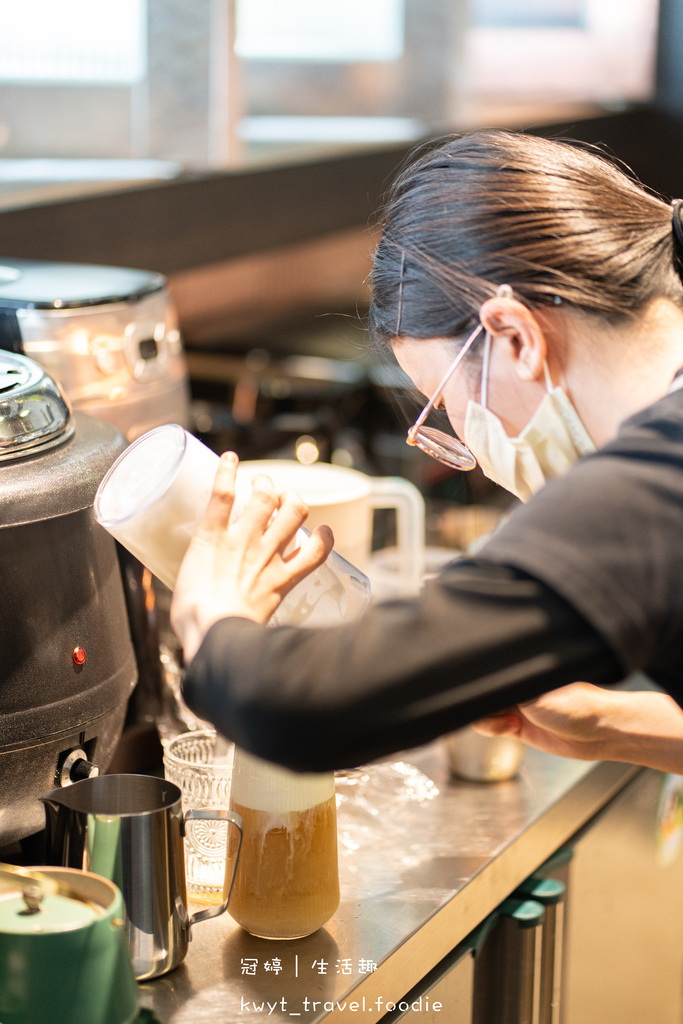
(669, 63)
(198, 220)
(172, 226)
(648, 140)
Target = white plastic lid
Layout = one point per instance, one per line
(140, 475)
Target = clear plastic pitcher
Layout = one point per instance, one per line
(153, 498)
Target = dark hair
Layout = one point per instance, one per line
(550, 218)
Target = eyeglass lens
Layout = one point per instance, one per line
(443, 447)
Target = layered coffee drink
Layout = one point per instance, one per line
(287, 880)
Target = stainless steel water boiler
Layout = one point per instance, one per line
(108, 335)
(67, 665)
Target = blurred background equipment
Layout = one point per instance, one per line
(108, 335)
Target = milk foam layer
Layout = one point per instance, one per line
(267, 787)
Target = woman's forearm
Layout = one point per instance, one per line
(481, 638)
(595, 724)
(643, 728)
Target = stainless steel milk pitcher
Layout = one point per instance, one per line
(130, 829)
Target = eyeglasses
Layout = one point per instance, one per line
(440, 446)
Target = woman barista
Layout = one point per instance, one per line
(531, 290)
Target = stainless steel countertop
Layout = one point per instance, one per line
(419, 869)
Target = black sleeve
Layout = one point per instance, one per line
(481, 638)
(608, 538)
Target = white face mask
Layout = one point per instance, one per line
(548, 446)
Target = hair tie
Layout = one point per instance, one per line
(677, 221)
(677, 226)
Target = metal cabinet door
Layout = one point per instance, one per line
(625, 918)
(443, 997)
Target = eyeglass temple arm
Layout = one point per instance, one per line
(447, 376)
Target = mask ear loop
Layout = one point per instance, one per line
(548, 379)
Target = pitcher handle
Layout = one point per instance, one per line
(395, 492)
(231, 818)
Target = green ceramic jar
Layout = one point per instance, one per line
(63, 955)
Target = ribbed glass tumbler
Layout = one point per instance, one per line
(200, 764)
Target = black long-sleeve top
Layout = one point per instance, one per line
(585, 582)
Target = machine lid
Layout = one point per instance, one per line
(62, 481)
(54, 914)
(34, 413)
(32, 902)
(35, 285)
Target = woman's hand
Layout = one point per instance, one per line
(568, 722)
(588, 723)
(243, 570)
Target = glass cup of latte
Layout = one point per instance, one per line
(287, 879)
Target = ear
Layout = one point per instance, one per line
(513, 322)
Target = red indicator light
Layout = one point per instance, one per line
(78, 655)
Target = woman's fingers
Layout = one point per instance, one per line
(311, 554)
(223, 494)
(265, 529)
(292, 513)
(259, 510)
(507, 723)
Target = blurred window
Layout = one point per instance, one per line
(311, 30)
(114, 90)
(73, 41)
(529, 13)
(548, 51)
